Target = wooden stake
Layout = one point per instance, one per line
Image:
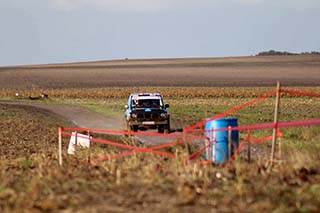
(75, 142)
(280, 151)
(60, 146)
(229, 142)
(206, 143)
(89, 151)
(276, 113)
(210, 145)
(186, 145)
(249, 151)
(214, 146)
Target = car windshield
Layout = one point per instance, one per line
(147, 103)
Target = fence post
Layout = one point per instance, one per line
(75, 142)
(275, 128)
(249, 151)
(214, 146)
(210, 145)
(280, 151)
(89, 151)
(229, 142)
(186, 145)
(60, 146)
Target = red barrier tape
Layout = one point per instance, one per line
(237, 108)
(119, 132)
(189, 139)
(243, 142)
(199, 152)
(247, 139)
(265, 139)
(152, 150)
(123, 146)
(134, 148)
(238, 150)
(226, 113)
(299, 93)
(285, 124)
(260, 140)
(120, 145)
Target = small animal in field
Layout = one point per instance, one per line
(44, 96)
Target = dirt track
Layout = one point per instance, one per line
(84, 118)
(79, 116)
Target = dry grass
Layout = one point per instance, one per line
(167, 92)
(31, 179)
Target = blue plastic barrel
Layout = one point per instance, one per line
(219, 152)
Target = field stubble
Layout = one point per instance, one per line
(167, 92)
(32, 180)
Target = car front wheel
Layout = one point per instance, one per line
(134, 128)
(160, 129)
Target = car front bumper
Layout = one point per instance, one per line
(148, 123)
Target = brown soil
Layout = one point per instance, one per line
(32, 181)
(84, 118)
(79, 116)
(241, 71)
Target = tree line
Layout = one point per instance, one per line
(275, 52)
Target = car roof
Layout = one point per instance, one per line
(145, 96)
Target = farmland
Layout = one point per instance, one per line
(205, 72)
(31, 179)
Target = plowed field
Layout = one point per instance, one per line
(202, 72)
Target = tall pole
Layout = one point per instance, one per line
(275, 129)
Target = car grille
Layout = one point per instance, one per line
(148, 116)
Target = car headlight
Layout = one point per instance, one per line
(134, 115)
(163, 115)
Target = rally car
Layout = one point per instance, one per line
(147, 111)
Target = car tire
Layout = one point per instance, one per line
(135, 128)
(160, 129)
(167, 129)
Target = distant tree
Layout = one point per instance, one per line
(274, 53)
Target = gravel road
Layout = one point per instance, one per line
(79, 116)
(84, 118)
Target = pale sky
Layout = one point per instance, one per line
(54, 31)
